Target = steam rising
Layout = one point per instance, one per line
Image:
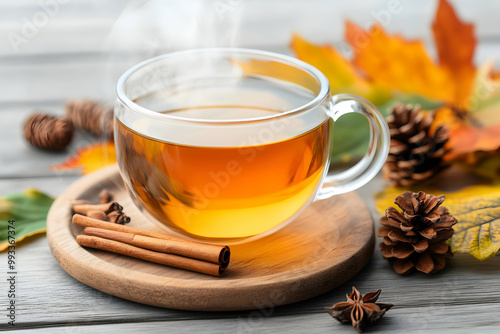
(150, 28)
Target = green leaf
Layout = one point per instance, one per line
(477, 209)
(29, 212)
(414, 99)
(351, 134)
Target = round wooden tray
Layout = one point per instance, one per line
(325, 246)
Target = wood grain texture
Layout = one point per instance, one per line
(325, 246)
(86, 26)
(396, 321)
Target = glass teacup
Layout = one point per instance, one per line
(232, 143)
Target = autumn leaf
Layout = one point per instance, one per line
(28, 213)
(455, 44)
(478, 126)
(351, 132)
(483, 164)
(388, 67)
(330, 62)
(467, 135)
(468, 139)
(477, 209)
(90, 158)
(341, 74)
(476, 129)
(398, 64)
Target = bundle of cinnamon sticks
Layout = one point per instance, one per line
(154, 247)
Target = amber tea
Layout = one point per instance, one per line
(233, 190)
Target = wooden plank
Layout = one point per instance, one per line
(28, 83)
(43, 282)
(64, 27)
(51, 185)
(396, 321)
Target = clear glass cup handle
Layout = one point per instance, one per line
(378, 148)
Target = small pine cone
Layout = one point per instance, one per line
(48, 132)
(415, 153)
(416, 238)
(94, 117)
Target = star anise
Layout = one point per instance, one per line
(358, 310)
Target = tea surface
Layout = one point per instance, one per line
(222, 192)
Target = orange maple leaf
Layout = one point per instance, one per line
(398, 64)
(468, 139)
(455, 43)
(90, 158)
(384, 63)
(328, 60)
(466, 136)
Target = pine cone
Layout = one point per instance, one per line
(416, 153)
(416, 238)
(92, 116)
(48, 132)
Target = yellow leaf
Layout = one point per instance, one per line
(398, 64)
(341, 74)
(90, 158)
(477, 209)
(337, 69)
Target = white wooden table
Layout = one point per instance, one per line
(78, 48)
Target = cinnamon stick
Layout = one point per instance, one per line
(191, 249)
(106, 207)
(116, 217)
(151, 256)
(154, 244)
(97, 214)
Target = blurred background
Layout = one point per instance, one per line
(81, 46)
